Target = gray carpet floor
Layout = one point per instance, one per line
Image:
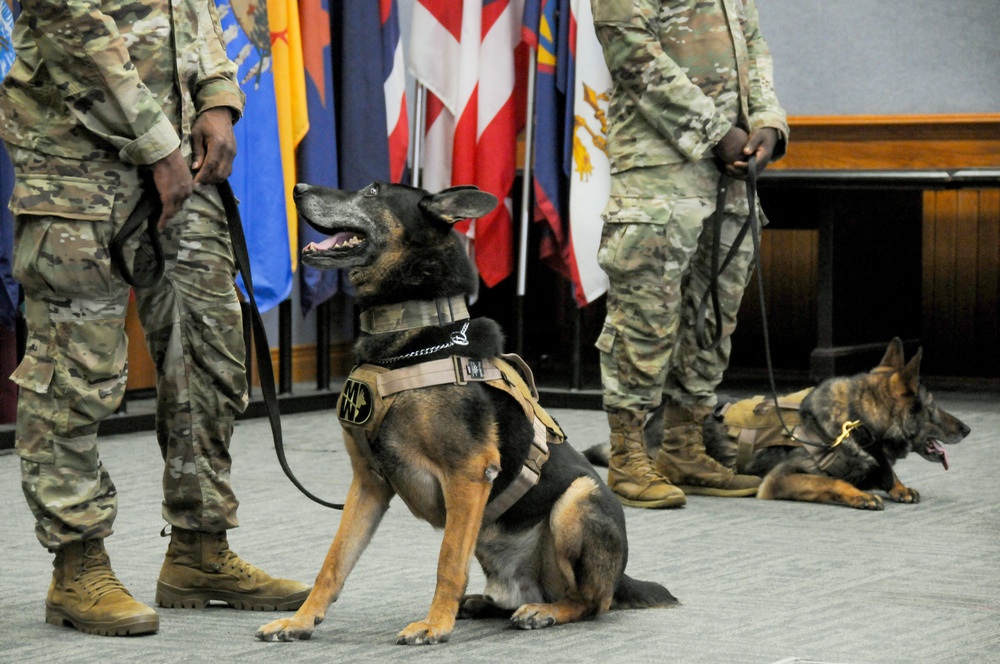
(760, 582)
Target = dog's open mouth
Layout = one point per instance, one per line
(934, 451)
(342, 242)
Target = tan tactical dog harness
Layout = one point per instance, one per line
(370, 390)
(756, 423)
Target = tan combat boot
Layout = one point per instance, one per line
(86, 595)
(630, 471)
(682, 457)
(200, 568)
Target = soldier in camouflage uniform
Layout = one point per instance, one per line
(100, 94)
(693, 95)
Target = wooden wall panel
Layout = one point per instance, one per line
(961, 281)
(789, 263)
(988, 272)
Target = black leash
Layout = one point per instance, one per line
(752, 226)
(752, 223)
(149, 209)
(260, 339)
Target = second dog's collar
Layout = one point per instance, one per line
(413, 314)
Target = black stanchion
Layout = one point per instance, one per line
(323, 346)
(285, 347)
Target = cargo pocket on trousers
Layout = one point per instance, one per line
(33, 374)
(606, 340)
(63, 232)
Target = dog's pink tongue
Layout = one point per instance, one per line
(937, 448)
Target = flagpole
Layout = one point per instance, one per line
(420, 104)
(526, 186)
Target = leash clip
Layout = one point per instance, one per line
(458, 336)
(845, 431)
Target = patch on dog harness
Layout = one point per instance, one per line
(356, 402)
(370, 390)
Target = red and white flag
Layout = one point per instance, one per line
(394, 77)
(462, 52)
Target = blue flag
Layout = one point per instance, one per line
(8, 287)
(257, 178)
(317, 153)
(362, 139)
(546, 25)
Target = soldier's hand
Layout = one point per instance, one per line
(729, 151)
(214, 146)
(173, 181)
(761, 143)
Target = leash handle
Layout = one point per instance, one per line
(266, 371)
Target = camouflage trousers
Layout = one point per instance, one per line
(74, 371)
(656, 250)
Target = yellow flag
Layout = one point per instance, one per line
(290, 97)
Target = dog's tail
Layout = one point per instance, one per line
(632, 594)
(598, 454)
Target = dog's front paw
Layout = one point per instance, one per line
(904, 494)
(533, 616)
(422, 633)
(287, 629)
(866, 501)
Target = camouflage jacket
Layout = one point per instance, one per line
(115, 80)
(684, 72)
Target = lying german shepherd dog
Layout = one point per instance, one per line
(434, 413)
(846, 434)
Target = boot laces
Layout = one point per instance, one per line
(699, 454)
(236, 565)
(636, 458)
(95, 574)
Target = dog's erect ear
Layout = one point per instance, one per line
(458, 203)
(911, 372)
(893, 358)
(907, 381)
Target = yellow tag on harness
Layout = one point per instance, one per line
(845, 431)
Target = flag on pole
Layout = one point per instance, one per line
(465, 59)
(394, 77)
(317, 153)
(257, 178)
(590, 180)
(290, 99)
(550, 183)
(372, 125)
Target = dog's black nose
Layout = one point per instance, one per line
(301, 188)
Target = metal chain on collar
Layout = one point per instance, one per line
(457, 339)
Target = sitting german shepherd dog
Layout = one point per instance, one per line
(435, 414)
(846, 435)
